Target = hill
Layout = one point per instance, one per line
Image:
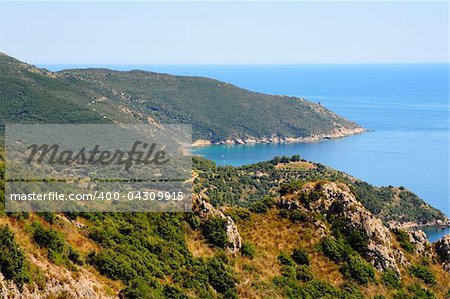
(218, 111)
(308, 237)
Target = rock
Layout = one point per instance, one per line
(442, 248)
(419, 239)
(400, 258)
(59, 283)
(337, 200)
(205, 209)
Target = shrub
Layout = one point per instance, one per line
(12, 259)
(358, 269)
(259, 207)
(285, 259)
(335, 250)
(112, 265)
(239, 214)
(283, 214)
(290, 187)
(423, 273)
(303, 273)
(417, 292)
(403, 239)
(173, 292)
(220, 277)
(391, 279)
(300, 256)
(74, 256)
(215, 231)
(47, 238)
(139, 288)
(49, 217)
(248, 249)
(288, 271)
(320, 289)
(295, 158)
(298, 216)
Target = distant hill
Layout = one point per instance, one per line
(217, 111)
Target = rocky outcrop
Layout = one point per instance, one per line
(338, 201)
(59, 282)
(419, 240)
(205, 210)
(442, 248)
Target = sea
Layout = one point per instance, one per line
(404, 107)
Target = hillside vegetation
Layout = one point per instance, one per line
(217, 111)
(286, 244)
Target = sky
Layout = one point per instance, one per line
(224, 32)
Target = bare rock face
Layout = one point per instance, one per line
(420, 240)
(337, 200)
(205, 209)
(59, 283)
(442, 248)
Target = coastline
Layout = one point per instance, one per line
(337, 133)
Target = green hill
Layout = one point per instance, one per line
(217, 111)
(293, 235)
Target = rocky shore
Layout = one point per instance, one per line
(338, 133)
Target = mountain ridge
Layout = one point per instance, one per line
(219, 112)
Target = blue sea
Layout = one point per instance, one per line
(405, 107)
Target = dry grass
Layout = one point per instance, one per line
(300, 165)
(197, 244)
(271, 235)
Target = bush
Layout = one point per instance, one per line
(417, 292)
(215, 231)
(298, 216)
(12, 259)
(391, 279)
(335, 250)
(139, 288)
(173, 292)
(259, 207)
(358, 269)
(283, 214)
(112, 265)
(423, 273)
(220, 277)
(248, 249)
(285, 259)
(300, 256)
(74, 256)
(49, 217)
(290, 187)
(47, 238)
(288, 271)
(403, 239)
(303, 273)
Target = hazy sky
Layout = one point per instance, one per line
(224, 32)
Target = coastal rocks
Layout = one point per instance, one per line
(442, 248)
(274, 138)
(206, 210)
